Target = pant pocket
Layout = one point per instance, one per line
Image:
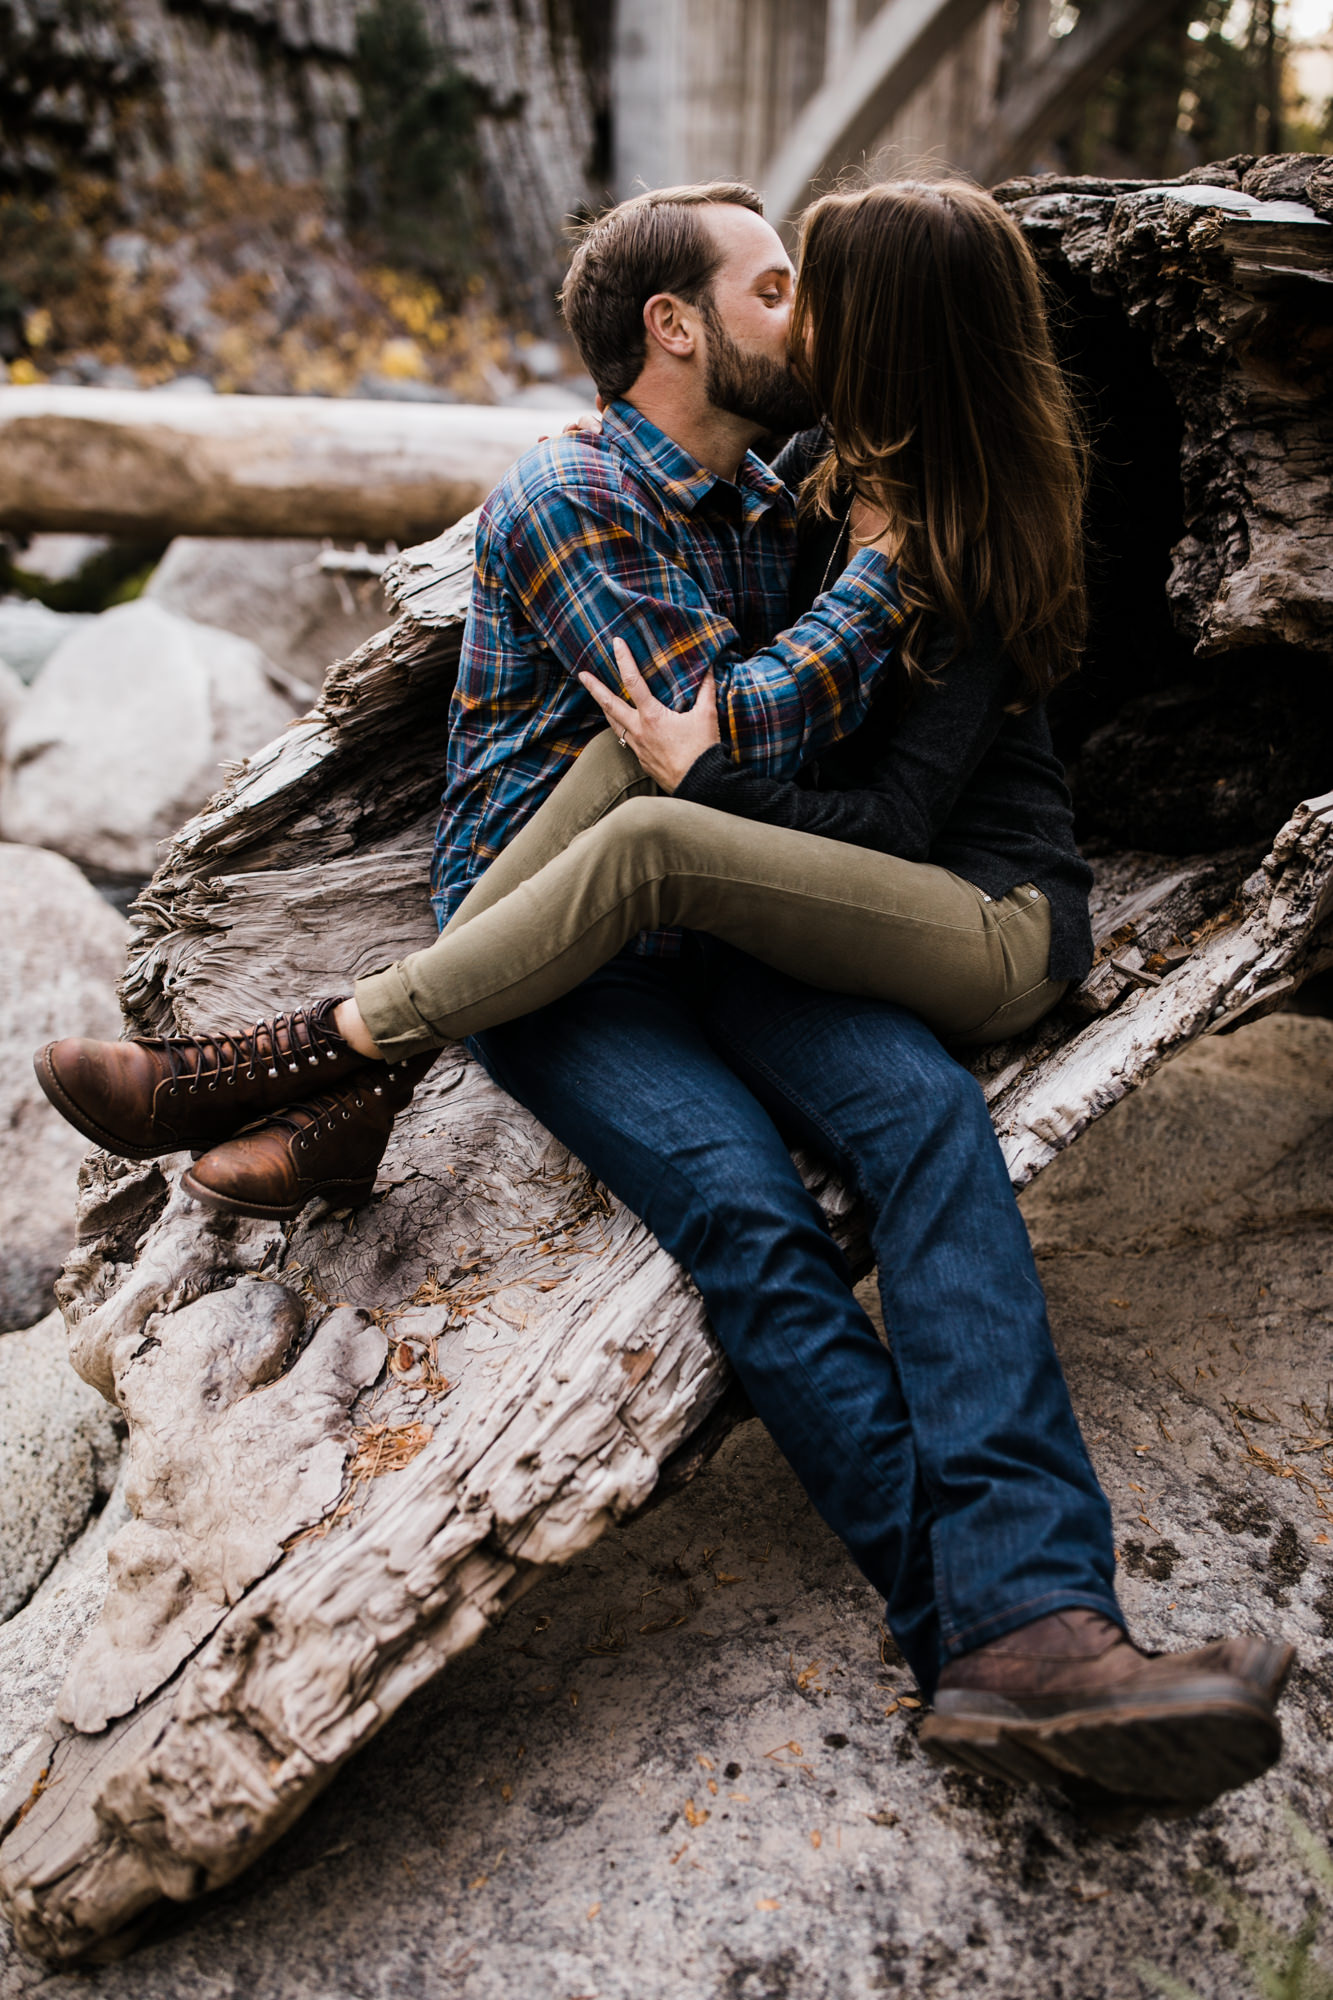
(1021, 921)
(1015, 1015)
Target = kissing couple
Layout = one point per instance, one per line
(751, 818)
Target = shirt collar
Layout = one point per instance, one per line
(684, 481)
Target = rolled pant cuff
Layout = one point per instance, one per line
(1012, 1620)
(388, 1011)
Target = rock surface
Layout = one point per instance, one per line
(12, 695)
(59, 1450)
(31, 632)
(125, 734)
(271, 593)
(234, 86)
(64, 951)
(542, 1818)
(38, 1642)
(62, 558)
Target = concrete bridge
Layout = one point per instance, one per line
(787, 93)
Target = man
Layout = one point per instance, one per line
(953, 1470)
(951, 1467)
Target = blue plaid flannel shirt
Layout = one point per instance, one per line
(624, 535)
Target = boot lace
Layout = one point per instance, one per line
(306, 1118)
(205, 1061)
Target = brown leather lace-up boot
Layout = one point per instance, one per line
(1068, 1701)
(328, 1145)
(145, 1097)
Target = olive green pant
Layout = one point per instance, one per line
(607, 856)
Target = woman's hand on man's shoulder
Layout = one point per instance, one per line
(666, 741)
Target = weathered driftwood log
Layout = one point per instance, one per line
(353, 1440)
(147, 466)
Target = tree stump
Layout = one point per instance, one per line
(355, 1440)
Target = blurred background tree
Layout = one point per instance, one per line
(412, 194)
(1217, 78)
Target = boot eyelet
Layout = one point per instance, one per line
(273, 1072)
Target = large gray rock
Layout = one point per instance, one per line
(683, 1769)
(272, 593)
(38, 1643)
(12, 696)
(63, 953)
(126, 732)
(59, 1453)
(31, 632)
(61, 558)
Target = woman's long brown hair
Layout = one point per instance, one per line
(920, 327)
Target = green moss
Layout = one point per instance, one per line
(1280, 1963)
(115, 576)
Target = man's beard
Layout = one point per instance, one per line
(752, 385)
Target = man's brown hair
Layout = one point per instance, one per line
(654, 242)
(920, 329)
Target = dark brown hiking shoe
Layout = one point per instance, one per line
(142, 1098)
(329, 1145)
(1068, 1703)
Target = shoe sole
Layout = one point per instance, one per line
(339, 1194)
(55, 1094)
(1170, 1751)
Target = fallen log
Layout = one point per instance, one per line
(145, 465)
(355, 1440)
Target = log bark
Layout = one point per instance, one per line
(1227, 273)
(356, 1439)
(146, 466)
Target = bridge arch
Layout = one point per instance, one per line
(785, 93)
(889, 59)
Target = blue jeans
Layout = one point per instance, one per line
(951, 1464)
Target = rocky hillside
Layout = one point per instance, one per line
(127, 90)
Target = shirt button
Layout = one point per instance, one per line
(985, 899)
(1034, 893)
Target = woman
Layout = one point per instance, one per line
(932, 864)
